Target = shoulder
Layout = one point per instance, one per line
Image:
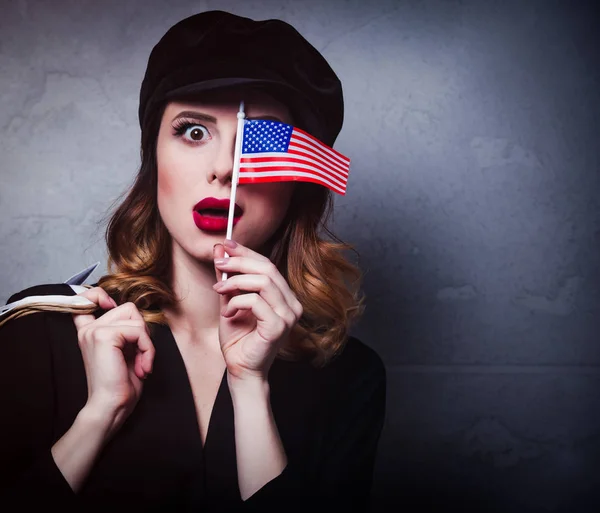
(39, 357)
(27, 341)
(356, 371)
(358, 359)
(355, 385)
(48, 289)
(356, 366)
(39, 325)
(304, 396)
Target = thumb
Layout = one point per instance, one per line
(218, 252)
(99, 296)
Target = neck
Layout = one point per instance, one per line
(195, 316)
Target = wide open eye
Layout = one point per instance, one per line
(192, 132)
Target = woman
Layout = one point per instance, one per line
(182, 391)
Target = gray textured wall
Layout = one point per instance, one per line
(473, 128)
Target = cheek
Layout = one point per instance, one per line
(165, 186)
(164, 177)
(273, 201)
(284, 196)
(171, 176)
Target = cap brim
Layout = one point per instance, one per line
(302, 110)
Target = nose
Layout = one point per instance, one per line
(222, 168)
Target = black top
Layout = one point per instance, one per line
(329, 421)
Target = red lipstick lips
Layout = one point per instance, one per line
(210, 214)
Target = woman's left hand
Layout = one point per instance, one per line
(258, 310)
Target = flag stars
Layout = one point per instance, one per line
(261, 136)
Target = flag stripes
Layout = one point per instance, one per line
(271, 159)
(275, 151)
(288, 176)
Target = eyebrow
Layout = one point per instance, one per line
(201, 116)
(270, 118)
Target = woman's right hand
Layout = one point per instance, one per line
(118, 355)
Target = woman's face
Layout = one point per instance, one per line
(195, 149)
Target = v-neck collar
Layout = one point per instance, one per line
(218, 453)
(221, 398)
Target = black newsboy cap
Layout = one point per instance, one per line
(217, 49)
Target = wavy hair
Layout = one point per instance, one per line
(304, 250)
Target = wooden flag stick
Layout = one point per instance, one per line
(236, 172)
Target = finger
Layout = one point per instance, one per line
(82, 320)
(124, 312)
(117, 335)
(145, 348)
(144, 358)
(138, 350)
(99, 296)
(146, 352)
(123, 333)
(267, 289)
(234, 248)
(246, 265)
(261, 310)
(249, 265)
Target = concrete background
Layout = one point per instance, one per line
(473, 201)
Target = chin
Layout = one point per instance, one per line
(201, 249)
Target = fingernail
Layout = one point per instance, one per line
(114, 303)
(220, 261)
(230, 243)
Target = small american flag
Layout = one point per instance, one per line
(276, 152)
